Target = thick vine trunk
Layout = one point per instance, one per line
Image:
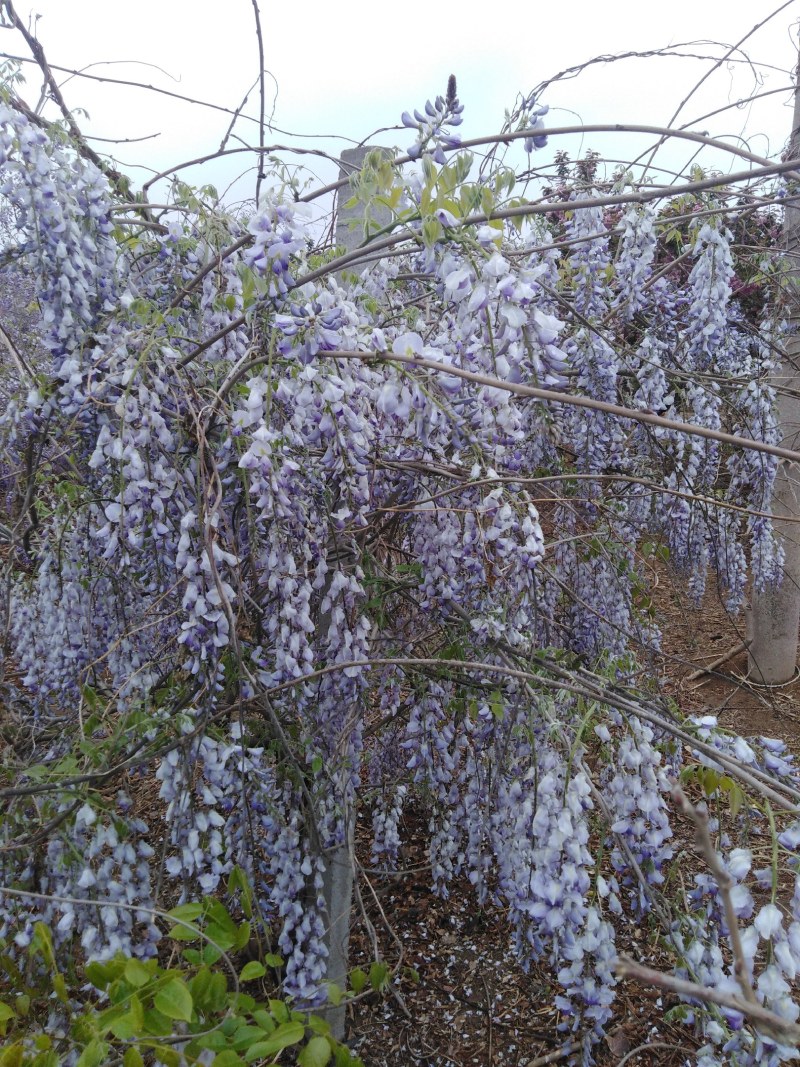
(775, 613)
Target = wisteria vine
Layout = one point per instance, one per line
(218, 525)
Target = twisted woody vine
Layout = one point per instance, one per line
(292, 532)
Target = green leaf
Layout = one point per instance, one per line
(184, 932)
(199, 987)
(221, 937)
(108, 1019)
(271, 960)
(735, 799)
(432, 230)
(167, 1055)
(679, 1014)
(711, 780)
(228, 1058)
(429, 170)
(42, 942)
(335, 993)
(214, 1040)
(358, 979)
(237, 880)
(264, 1020)
(46, 1059)
(252, 970)
(230, 1025)
(13, 972)
(98, 974)
(219, 915)
(156, 1023)
(137, 1012)
(94, 1054)
(345, 1058)
(132, 1058)
(279, 1010)
(6, 1012)
(242, 936)
(12, 1056)
(317, 1053)
(242, 1003)
(287, 1034)
(136, 973)
(91, 697)
(377, 975)
(186, 912)
(124, 1028)
(174, 1000)
(246, 1036)
(217, 994)
(318, 1025)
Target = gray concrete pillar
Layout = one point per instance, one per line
(350, 220)
(340, 862)
(338, 892)
(775, 613)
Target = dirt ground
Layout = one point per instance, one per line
(470, 1004)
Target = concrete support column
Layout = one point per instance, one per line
(350, 220)
(339, 863)
(775, 613)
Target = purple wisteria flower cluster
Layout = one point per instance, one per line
(107, 860)
(432, 125)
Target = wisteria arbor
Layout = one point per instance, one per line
(291, 530)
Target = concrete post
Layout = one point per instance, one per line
(337, 889)
(775, 613)
(350, 220)
(339, 863)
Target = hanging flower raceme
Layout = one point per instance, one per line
(280, 231)
(530, 119)
(752, 473)
(63, 206)
(710, 285)
(635, 793)
(432, 126)
(207, 595)
(222, 304)
(92, 858)
(634, 262)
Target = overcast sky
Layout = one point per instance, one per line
(348, 69)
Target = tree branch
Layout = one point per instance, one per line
(767, 1020)
(119, 181)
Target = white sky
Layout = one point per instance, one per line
(352, 67)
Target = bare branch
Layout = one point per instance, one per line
(725, 883)
(771, 1023)
(119, 182)
(262, 97)
(553, 397)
